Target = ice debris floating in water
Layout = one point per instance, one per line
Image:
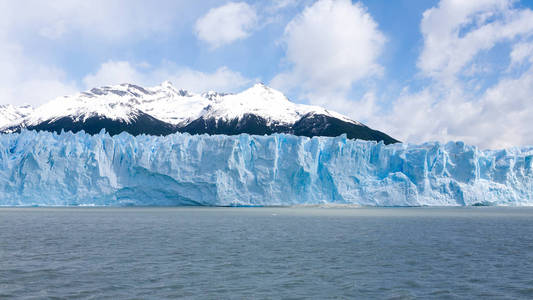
(180, 169)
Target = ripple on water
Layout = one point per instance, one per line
(266, 252)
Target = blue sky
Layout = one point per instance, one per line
(420, 70)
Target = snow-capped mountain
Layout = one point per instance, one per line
(10, 114)
(163, 109)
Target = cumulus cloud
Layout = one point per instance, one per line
(116, 72)
(226, 24)
(332, 45)
(329, 46)
(500, 117)
(456, 31)
(455, 34)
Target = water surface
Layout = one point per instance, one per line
(481, 252)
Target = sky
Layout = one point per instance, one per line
(419, 70)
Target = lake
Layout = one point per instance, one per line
(235, 253)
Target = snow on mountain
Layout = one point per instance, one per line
(178, 107)
(164, 109)
(115, 103)
(10, 114)
(265, 102)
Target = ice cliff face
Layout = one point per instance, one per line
(180, 169)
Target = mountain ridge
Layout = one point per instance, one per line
(164, 109)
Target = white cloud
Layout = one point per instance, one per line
(367, 108)
(112, 73)
(221, 80)
(55, 30)
(456, 31)
(500, 117)
(116, 72)
(226, 24)
(456, 34)
(522, 52)
(26, 81)
(427, 116)
(329, 46)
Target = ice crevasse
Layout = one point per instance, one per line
(48, 169)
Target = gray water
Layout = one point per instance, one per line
(236, 253)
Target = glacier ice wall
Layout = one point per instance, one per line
(80, 169)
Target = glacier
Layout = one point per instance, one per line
(67, 169)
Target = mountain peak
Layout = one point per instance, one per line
(259, 85)
(167, 84)
(264, 93)
(256, 110)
